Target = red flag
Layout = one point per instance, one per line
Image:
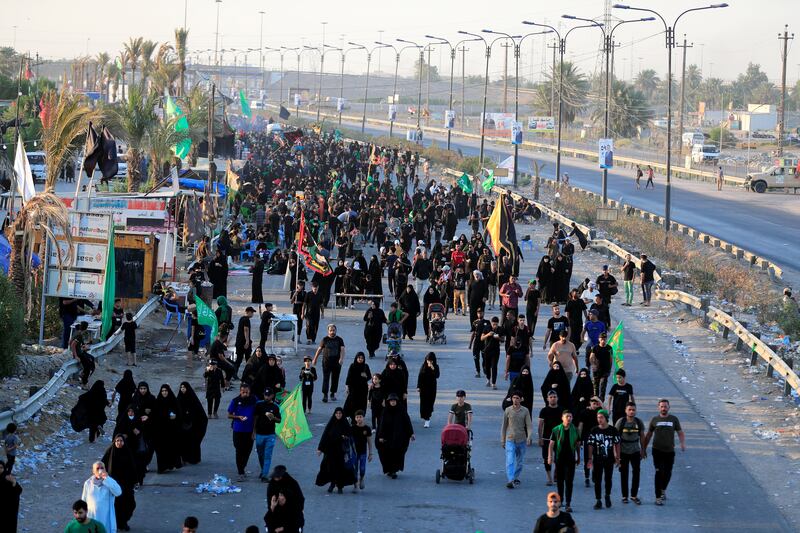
(28, 71)
(307, 247)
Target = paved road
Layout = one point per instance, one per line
(763, 223)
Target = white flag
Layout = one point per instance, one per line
(23, 171)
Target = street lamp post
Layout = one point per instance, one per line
(261, 49)
(670, 42)
(341, 85)
(396, 67)
(216, 34)
(269, 49)
(607, 47)
(517, 45)
(366, 86)
(419, 95)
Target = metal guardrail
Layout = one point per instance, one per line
(757, 347)
(32, 405)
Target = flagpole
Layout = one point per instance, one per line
(19, 139)
(46, 261)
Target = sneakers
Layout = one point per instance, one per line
(586, 481)
(625, 500)
(324, 399)
(636, 500)
(427, 424)
(598, 505)
(510, 485)
(660, 501)
(517, 482)
(608, 501)
(333, 397)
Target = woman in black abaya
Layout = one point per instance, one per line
(337, 446)
(557, 380)
(125, 390)
(524, 384)
(395, 432)
(409, 303)
(545, 276)
(166, 430)
(121, 465)
(431, 296)
(375, 272)
(582, 392)
(426, 386)
(194, 422)
(357, 386)
(90, 411)
(256, 294)
(561, 275)
(374, 319)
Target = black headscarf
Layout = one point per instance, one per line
(582, 391)
(557, 376)
(126, 388)
(120, 464)
(524, 384)
(331, 440)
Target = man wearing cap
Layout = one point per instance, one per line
(267, 414)
(515, 435)
(244, 343)
(606, 285)
(589, 293)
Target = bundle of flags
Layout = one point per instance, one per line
(181, 125)
(500, 229)
(307, 247)
(100, 151)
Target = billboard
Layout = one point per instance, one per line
(74, 284)
(339, 104)
(516, 133)
(605, 153)
(541, 124)
(497, 124)
(392, 112)
(449, 119)
(84, 255)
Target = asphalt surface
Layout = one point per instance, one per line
(765, 224)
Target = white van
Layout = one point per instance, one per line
(705, 153)
(692, 138)
(36, 162)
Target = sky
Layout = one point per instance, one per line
(724, 40)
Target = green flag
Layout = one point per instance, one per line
(337, 135)
(118, 62)
(465, 183)
(245, 106)
(488, 183)
(206, 317)
(617, 343)
(181, 124)
(293, 427)
(109, 287)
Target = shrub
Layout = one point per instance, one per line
(52, 321)
(13, 320)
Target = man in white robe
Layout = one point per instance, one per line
(99, 492)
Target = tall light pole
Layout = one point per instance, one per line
(485, 87)
(517, 41)
(421, 61)
(670, 42)
(366, 86)
(282, 50)
(261, 49)
(607, 47)
(267, 50)
(453, 48)
(396, 67)
(380, 38)
(562, 47)
(216, 34)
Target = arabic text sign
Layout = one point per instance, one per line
(84, 256)
(75, 284)
(541, 124)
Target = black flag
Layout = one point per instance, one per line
(108, 159)
(284, 113)
(92, 150)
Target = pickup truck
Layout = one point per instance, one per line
(784, 174)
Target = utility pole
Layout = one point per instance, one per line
(683, 92)
(782, 111)
(428, 88)
(463, 51)
(506, 46)
(555, 47)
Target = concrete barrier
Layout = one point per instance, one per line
(32, 405)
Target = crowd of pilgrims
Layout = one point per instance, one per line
(351, 196)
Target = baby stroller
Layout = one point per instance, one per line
(456, 448)
(436, 320)
(394, 338)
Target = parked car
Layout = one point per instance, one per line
(783, 174)
(705, 154)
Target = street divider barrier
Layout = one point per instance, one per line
(35, 403)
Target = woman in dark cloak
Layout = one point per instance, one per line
(194, 423)
(336, 444)
(338, 286)
(10, 492)
(393, 437)
(125, 390)
(556, 380)
(166, 430)
(402, 268)
(561, 275)
(91, 410)
(357, 386)
(375, 272)
(256, 294)
(145, 404)
(524, 384)
(374, 319)
(218, 274)
(394, 380)
(426, 386)
(121, 465)
(431, 296)
(545, 276)
(582, 392)
(129, 425)
(409, 303)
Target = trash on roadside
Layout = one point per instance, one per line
(218, 485)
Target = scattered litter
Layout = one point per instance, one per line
(765, 434)
(219, 484)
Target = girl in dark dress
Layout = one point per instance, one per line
(357, 386)
(374, 319)
(395, 432)
(556, 380)
(166, 426)
(337, 446)
(545, 276)
(125, 390)
(431, 297)
(376, 398)
(582, 392)
(426, 386)
(257, 269)
(409, 303)
(194, 423)
(121, 465)
(375, 272)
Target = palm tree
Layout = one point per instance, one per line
(165, 71)
(647, 81)
(148, 47)
(195, 106)
(575, 92)
(629, 110)
(133, 49)
(181, 37)
(132, 121)
(66, 117)
(112, 80)
(46, 213)
(123, 60)
(102, 62)
(161, 138)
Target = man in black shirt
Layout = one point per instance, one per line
(603, 311)
(577, 315)
(628, 269)
(648, 278)
(555, 325)
(586, 423)
(478, 327)
(267, 414)
(312, 310)
(332, 350)
(620, 394)
(602, 353)
(549, 417)
(263, 328)
(244, 343)
(606, 285)
(491, 337)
